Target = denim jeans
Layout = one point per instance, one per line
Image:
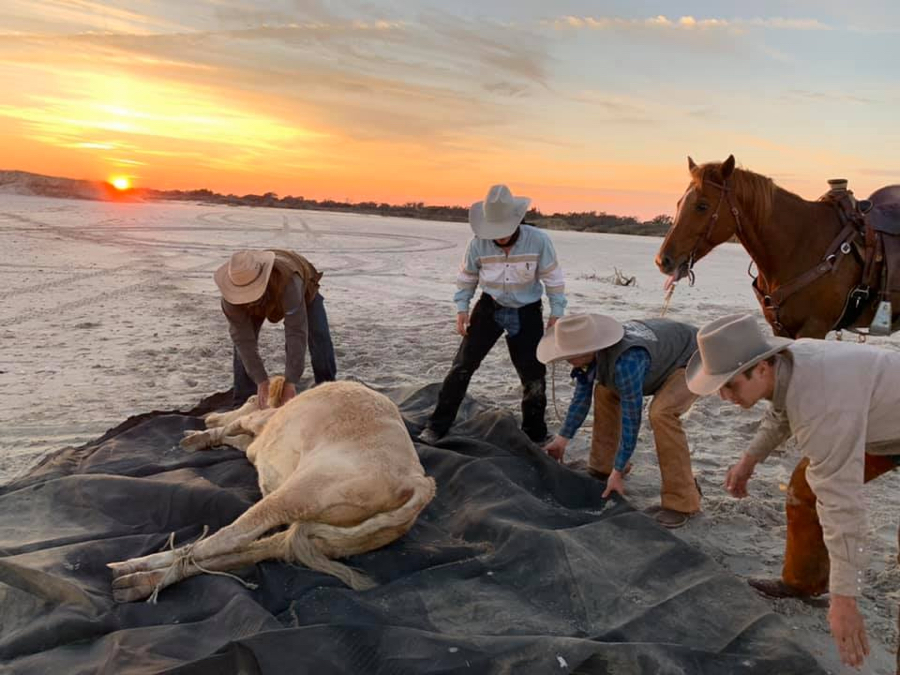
(484, 331)
(321, 352)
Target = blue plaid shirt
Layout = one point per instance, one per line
(629, 372)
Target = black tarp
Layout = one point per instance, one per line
(517, 566)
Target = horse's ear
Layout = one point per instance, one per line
(727, 167)
(691, 164)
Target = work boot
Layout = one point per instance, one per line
(672, 519)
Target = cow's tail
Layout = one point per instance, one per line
(315, 544)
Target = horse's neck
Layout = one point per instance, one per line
(793, 240)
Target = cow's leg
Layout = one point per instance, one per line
(249, 425)
(140, 585)
(224, 418)
(268, 513)
(316, 494)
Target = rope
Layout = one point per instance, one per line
(668, 300)
(553, 391)
(184, 559)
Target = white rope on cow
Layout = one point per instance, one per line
(184, 558)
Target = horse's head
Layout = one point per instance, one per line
(698, 227)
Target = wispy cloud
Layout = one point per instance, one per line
(375, 77)
(662, 22)
(806, 95)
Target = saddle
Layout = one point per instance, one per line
(877, 220)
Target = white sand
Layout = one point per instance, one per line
(110, 310)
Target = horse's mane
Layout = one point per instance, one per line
(755, 191)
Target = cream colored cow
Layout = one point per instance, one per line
(336, 465)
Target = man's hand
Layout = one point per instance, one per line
(288, 392)
(557, 447)
(738, 475)
(462, 323)
(552, 322)
(848, 630)
(262, 394)
(615, 483)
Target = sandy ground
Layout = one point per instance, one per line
(109, 310)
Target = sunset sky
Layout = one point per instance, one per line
(586, 106)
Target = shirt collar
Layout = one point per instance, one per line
(784, 368)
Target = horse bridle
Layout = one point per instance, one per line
(724, 194)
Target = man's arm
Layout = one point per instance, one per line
(578, 408)
(774, 429)
(551, 275)
(466, 279)
(296, 330)
(835, 444)
(243, 334)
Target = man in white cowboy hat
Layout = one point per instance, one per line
(510, 260)
(618, 364)
(840, 401)
(275, 285)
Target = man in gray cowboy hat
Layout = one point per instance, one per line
(275, 285)
(510, 260)
(840, 401)
(618, 364)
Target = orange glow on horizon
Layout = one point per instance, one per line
(120, 182)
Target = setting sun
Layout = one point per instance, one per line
(120, 183)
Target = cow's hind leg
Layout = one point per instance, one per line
(140, 585)
(263, 516)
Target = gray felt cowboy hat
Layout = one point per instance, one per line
(578, 334)
(726, 347)
(498, 216)
(244, 278)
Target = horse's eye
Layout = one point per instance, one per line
(701, 206)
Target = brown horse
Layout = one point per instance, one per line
(810, 260)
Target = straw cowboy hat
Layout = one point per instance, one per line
(244, 278)
(498, 216)
(726, 347)
(578, 334)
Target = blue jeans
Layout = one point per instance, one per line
(321, 352)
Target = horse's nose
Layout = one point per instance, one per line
(664, 263)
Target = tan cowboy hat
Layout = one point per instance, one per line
(244, 278)
(498, 216)
(578, 334)
(726, 347)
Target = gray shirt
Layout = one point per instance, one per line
(244, 330)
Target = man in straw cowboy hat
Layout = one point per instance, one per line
(275, 285)
(841, 403)
(618, 364)
(510, 260)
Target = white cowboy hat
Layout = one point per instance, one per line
(244, 278)
(578, 334)
(726, 347)
(498, 216)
